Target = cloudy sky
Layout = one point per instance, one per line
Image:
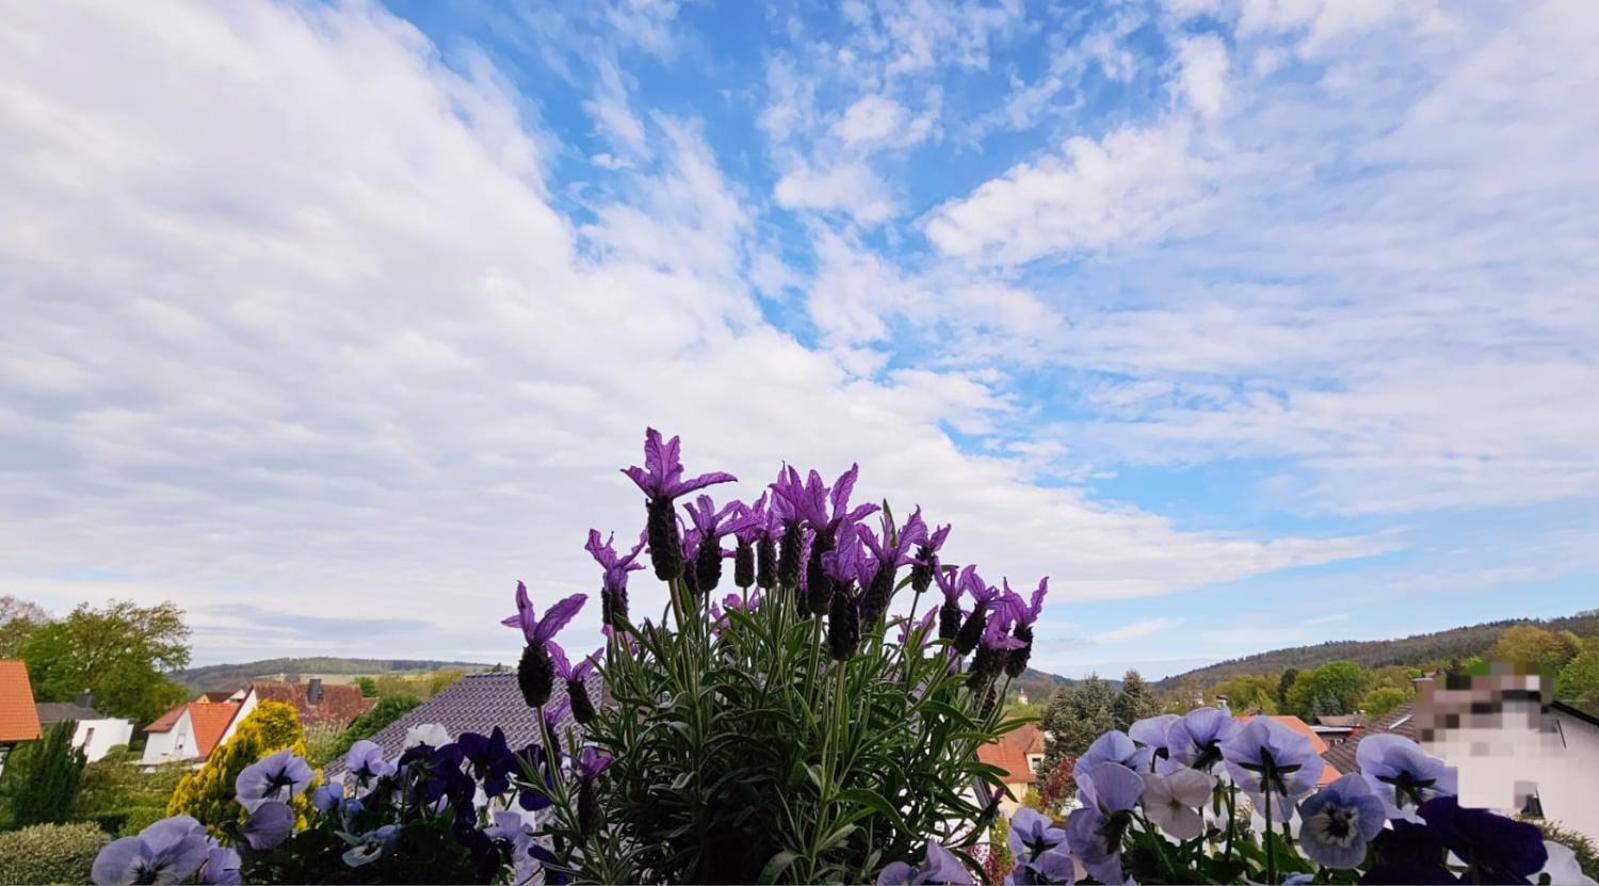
(1251, 323)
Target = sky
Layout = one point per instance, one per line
(1250, 323)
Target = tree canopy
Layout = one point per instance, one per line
(120, 652)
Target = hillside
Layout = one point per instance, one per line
(1416, 649)
(232, 676)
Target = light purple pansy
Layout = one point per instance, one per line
(1339, 820)
(222, 865)
(661, 478)
(1195, 740)
(1112, 747)
(168, 851)
(1402, 775)
(278, 776)
(365, 761)
(1266, 756)
(939, 866)
(539, 631)
(269, 824)
(1094, 832)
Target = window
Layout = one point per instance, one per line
(88, 737)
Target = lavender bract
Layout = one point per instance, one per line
(661, 481)
(613, 582)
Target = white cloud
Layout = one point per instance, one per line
(1138, 630)
(1203, 78)
(870, 119)
(849, 187)
(308, 335)
(1132, 185)
(612, 116)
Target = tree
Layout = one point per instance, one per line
(1074, 718)
(18, 619)
(1283, 684)
(1134, 702)
(368, 686)
(207, 794)
(1535, 647)
(1248, 692)
(119, 653)
(1333, 688)
(1579, 679)
(46, 795)
(388, 709)
(1383, 699)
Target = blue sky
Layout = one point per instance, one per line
(1251, 323)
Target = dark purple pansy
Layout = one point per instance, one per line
(1497, 848)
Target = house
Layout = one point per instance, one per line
(477, 703)
(332, 705)
(19, 720)
(1017, 753)
(96, 734)
(1400, 721)
(187, 732)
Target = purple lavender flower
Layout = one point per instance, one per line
(576, 678)
(1095, 831)
(1403, 775)
(983, 596)
(994, 646)
(1196, 739)
(661, 480)
(810, 504)
(535, 674)
(1266, 757)
(168, 851)
(908, 631)
(925, 564)
(754, 533)
(269, 824)
(613, 586)
(1025, 614)
(949, 614)
(940, 866)
(711, 525)
(887, 556)
(1338, 821)
(587, 767)
(279, 776)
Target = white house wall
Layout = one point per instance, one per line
(97, 737)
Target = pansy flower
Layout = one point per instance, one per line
(1172, 802)
(1112, 747)
(661, 481)
(491, 759)
(370, 846)
(1039, 850)
(365, 761)
(269, 824)
(1095, 831)
(1151, 732)
(221, 868)
(279, 776)
(1196, 739)
(168, 851)
(1338, 821)
(1273, 764)
(1403, 775)
(939, 866)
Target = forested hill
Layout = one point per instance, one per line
(1417, 649)
(232, 676)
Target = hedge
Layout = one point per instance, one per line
(50, 853)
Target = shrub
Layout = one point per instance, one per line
(207, 793)
(137, 818)
(50, 853)
(323, 743)
(48, 792)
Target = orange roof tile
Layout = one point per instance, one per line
(167, 720)
(1328, 773)
(210, 721)
(19, 719)
(1010, 752)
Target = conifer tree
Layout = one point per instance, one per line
(47, 793)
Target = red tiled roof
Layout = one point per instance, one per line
(340, 703)
(1328, 773)
(19, 719)
(167, 720)
(1399, 721)
(1010, 753)
(210, 721)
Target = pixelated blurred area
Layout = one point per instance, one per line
(1517, 750)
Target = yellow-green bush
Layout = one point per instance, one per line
(207, 794)
(50, 853)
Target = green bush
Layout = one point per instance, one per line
(47, 794)
(137, 818)
(50, 853)
(115, 785)
(207, 792)
(388, 709)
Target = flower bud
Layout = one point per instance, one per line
(1016, 662)
(590, 818)
(788, 561)
(843, 624)
(666, 546)
(818, 584)
(766, 562)
(613, 607)
(972, 631)
(744, 565)
(535, 675)
(707, 566)
(949, 620)
(922, 569)
(875, 599)
(582, 707)
(986, 665)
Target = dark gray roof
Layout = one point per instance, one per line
(478, 703)
(1399, 721)
(56, 711)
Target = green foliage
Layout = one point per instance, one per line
(1247, 693)
(367, 685)
(50, 853)
(137, 818)
(118, 652)
(115, 788)
(47, 792)
(1383, 699)
(207, 793)
(1535, 647)
(323, 742)
(388, 709)
(1076, 717)
(1333, 688)
(231, 676)
(1284, 683)
(740, 757)
(1135, 701)
(18, 619)
(1579, 679)
(999, 861)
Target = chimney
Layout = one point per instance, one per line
(313, 691)
(85, 699)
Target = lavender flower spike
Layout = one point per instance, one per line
(661, 480)
(1025, 614)
(535, 674)
(613, 584)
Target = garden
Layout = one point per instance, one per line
(810, 714)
